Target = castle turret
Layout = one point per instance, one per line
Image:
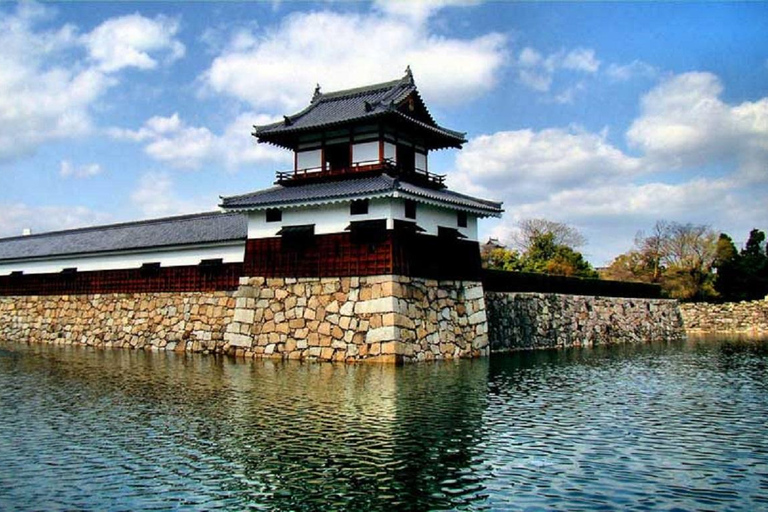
(360, 199)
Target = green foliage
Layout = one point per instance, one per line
(500, 258)
(679, 257)
(744, 275)
(543, 254)
(548, 257)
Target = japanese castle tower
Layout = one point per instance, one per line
(360, 199)
(358, 252)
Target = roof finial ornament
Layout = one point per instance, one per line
(409, 74)
(317, 93)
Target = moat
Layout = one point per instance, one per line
(647, 427)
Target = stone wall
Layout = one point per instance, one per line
(384, 318)
(520, 321)
(732, 317)
(192, 321)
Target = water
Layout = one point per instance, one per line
(657, 427)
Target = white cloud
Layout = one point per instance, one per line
(67, 169)
(525, 164)
(417, 12)
(579, 177)
(46, 90)
(684, 124)
(170, 140)
(537, 72)
(277, 72)
(580, 59)
(624, 72)
(156, 196)
(610, 215)
(18, 216)
(127, 41)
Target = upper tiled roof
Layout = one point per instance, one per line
(171, 231)
(339, 108)
(372, 186)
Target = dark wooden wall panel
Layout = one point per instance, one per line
(169, 279)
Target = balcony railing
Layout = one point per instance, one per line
(387, 166)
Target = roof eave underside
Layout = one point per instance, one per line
(124, 252)
(287, 137)
(453, 200)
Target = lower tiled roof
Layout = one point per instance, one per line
(372, 186)
(200, 228)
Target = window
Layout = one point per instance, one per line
(410, 209)
(297, 238)
(337, 157)
(69, 273)
(370, 232)
(150, 269)
(461, 218)
(274, 215)
(449, 233)
(358, 207)
(211, 266)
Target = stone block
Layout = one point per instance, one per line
(238, 340)
(244, 316)
(380, 305)
(388, 333)
(478, 317)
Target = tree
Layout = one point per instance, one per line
(530, 230)
(753, 266)
(728, 283)
(547, 256)
(543, 248)
(677, 256)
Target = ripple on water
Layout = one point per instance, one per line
(670, 426)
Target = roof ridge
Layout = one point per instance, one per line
(117, 225)
(359, 90)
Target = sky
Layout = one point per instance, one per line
(604, 116)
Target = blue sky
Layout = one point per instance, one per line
(606, 116)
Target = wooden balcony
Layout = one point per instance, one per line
(417, 176)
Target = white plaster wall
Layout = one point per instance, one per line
(430, 217)
(308, 159)
(231, 253)
(335, 217)
(420, 161)
(389, 151)
(328, 218)
(365, 152)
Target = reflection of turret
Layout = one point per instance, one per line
(291, 435)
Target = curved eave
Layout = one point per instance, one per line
(286, 137)
(489, 211)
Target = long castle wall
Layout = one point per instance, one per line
(748, 317)
(385, 318)
(389, 318)
(523, 320)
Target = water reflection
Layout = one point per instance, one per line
(655, 426)
(215, 433)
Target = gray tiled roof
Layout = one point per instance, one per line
(171, 231)
(359, 104)
(382, 185)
